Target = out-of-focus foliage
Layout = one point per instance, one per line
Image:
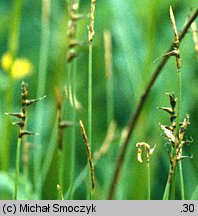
(141, 32)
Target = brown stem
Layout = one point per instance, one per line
(135, 116)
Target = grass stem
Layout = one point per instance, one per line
(167, 188)
(177, 131)
(172, 190)
(17, 168)
(181, 179)
(89, 112)
(148, 181)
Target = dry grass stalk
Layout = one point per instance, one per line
(91, 165)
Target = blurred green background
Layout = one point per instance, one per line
(141, 32)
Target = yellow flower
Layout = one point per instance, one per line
(6, 61)
(21, 68)
(18, 68)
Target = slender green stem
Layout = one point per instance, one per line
(89, 193)
(177, 131)
(148, 181)
(167, 188)
(172, 190)
(178, 102)
(90, 96)
(181, 179)
(17, 168)
(42, 74)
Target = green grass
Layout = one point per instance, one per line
(106, 79)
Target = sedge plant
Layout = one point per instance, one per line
(22, 129)
(137, 113)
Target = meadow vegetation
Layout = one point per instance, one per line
(98, 99)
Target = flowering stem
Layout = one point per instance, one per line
(181, 180)
(172, 191)
(167, 188)
(177, 131)
(148, 181)
(178, 102)
(17, 168)
(89, 113)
